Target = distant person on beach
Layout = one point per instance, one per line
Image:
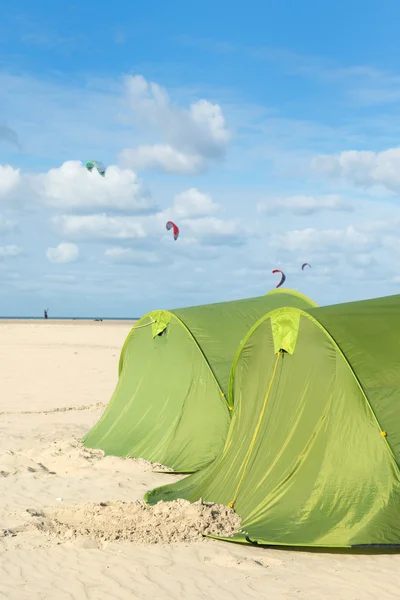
(45, 312)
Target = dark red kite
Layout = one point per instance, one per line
(175, 228)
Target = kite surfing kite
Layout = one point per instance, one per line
(95, 164)
(170, 225)
(283, 277)
(305, 265)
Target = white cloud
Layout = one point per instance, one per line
(304, 205)
(72, 187)
(210, 231)
(323, 240)
(364, 169)
(100, 226)
(190, 137)
(192, 203)
(10, 251)
(162, 158)
(65, 252)
(364, 252)
(207, 231)
(191, 210)
(10, 179)
(210, 119)
(121, 232)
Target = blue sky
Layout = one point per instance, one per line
(268, 131)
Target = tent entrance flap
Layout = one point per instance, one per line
(285, 328)
(161, 321)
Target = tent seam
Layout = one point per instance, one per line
(203, 355)
(136, 326)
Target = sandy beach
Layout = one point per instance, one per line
(56, 379)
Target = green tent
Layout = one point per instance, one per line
(170, 404)
(313, 451)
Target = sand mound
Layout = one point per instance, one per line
(146, 465)
(159, 468)
(166, 522)
(50, 459)
(62, 457)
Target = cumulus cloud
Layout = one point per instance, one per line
(338, 256)
(192, 203)
(364, 251)
(191, 137)
(10, 251)
(210, 231)
(304, 205)
(364, 169)
(192, 210)
(99, 226)
(312, 240)
(65, 252)
(10, 180)
(162, 158)
(72, 187)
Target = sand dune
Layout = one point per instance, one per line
(62, 506)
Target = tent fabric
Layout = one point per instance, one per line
(311, 456)
(219, 328)
(368, 334)
(170, 405)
